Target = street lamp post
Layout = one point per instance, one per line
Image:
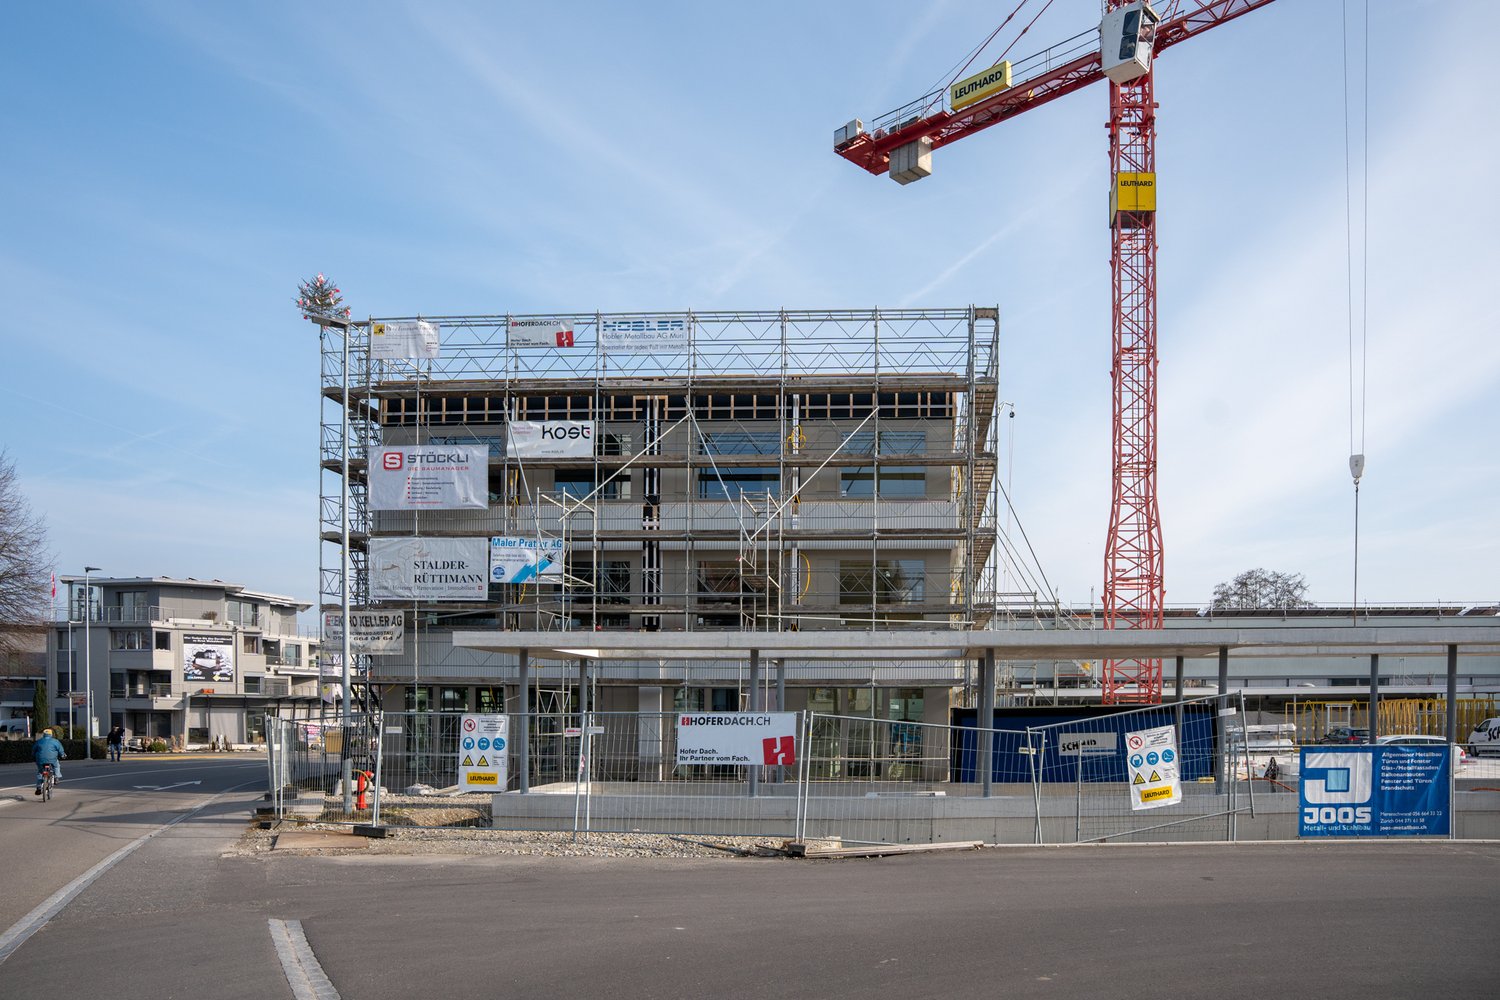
(88, 654)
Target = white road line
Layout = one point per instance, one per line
(50, 907)
(303, 973)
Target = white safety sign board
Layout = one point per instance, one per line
(1087, 744)
(482, 752)
(1152, 768)
(744, 738)
(539, 333)
(429, 569)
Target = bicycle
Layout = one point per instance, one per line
(49, 779)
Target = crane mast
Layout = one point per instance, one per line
(1122, 52)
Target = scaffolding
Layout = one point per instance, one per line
(773, 470)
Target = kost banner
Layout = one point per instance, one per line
(429, 569)
(550, 439)
(744, 738)
(429, 477)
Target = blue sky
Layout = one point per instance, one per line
(172, 170)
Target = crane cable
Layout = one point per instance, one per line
(974, 53)
(1357, 447)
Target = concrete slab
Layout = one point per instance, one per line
(319, 840)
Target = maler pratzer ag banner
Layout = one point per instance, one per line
(430, 477)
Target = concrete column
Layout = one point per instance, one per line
(1452, 703)
(1179, 698)
(755, 706)
(986, 761)
(1374, 696)
(1221, 772)
(523, 724)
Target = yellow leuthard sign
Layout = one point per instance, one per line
(978, 87)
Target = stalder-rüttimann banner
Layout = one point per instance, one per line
(429, 569)
(430, 477)
(747, 739)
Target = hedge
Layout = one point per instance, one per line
(19, 751)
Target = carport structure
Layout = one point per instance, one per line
(629, 656)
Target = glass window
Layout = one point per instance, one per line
(164, 640)
(489, 700)
(419, 699)
(291, 654)
(454, 700)
(896, 481)
(132, 605)
(731, 484)
(886, 581)
(129, 639)
(580, 483)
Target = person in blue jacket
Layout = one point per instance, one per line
(47, 751)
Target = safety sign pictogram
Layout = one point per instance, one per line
(1154, 778)
(486, 733)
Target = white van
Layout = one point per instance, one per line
(1485, 738)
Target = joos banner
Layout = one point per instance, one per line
(1153, 768)
(539, 333)
(207, 657)
(551, 439)
(429, 477)
(746, 738)
(523, 560)
(407, 339)
(429, 569)
(1374, 791)
(376, 633)
(644, 335)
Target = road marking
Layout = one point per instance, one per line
(303, 973)
(50, 907)
(163, 788)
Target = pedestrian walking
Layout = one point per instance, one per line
(116, 740)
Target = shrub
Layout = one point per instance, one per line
(157, 746)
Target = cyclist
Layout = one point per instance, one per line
(47, 751)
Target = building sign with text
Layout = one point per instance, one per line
(1375, 791)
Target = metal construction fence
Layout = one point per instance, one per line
(854, 778)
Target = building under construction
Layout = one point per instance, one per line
(757, 471)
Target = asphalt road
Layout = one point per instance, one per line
(175, 919)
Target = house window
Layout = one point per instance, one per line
(291, 654)
(489, 700)
(886, 581)
(896, 481)
(252, 684)
(164, 640)
(580, 483)
(129, 638)
(132, 605)
(453, 699)
(729, 482)
(243, 613)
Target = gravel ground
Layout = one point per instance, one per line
(256, 842)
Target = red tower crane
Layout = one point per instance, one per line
(1120, 51)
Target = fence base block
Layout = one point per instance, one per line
(836, 848)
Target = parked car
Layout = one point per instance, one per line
(1345, 734)
(1485, 738)
(1460, 756)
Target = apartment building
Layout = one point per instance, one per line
(754, 471)
(185, 661)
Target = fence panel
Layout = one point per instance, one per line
(1083, 778)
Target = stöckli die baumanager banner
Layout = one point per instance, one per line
(430, 477)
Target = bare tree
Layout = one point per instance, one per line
(24, 566)
(1259, 589)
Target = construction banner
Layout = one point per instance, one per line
(523, 560)
(429, 477)
(406, 339)
(429, 569)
